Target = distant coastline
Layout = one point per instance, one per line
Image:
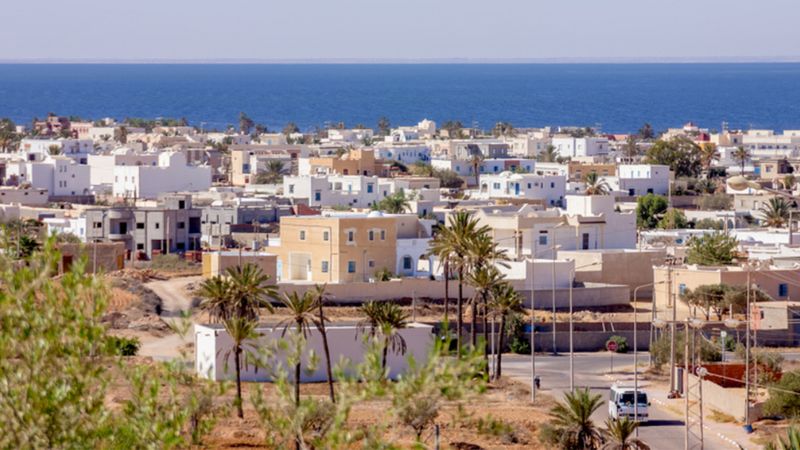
(413, 61)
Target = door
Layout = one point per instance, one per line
(516, 189)
(585, 243)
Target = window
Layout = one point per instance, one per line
(383, 235)
(139, 246)
(783, 290)
(317, 196)
(325, 235)
(351, 267)
(370, 188)
(529, 185)
(371, 263)
(157, 225)
(371, 235)
(97, 225)
(181, 225)
(681, 289)
(407, 263)
(140, 225)
(324, 266)
(291, 189)
(181, 204)
(543, 240)
(302, 235)
(351, 236)
(552, 185)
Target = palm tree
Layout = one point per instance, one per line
(391, 322)
(708, 154)
(775, 212)
(483, 280)
(239, 329)
(301, 316)
(550, 154)
(463, 228)
(741, 154)
(484, 252)
(384, 319)
(396, 203)
(440, 247)
(595, 185)
(619, 435)
(273, 174)
(215, 293)
(476, 158)
(250, 290)
(505, 301)
(572, 419)
(319, 293)
(631, 149)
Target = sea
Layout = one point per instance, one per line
(616, 98)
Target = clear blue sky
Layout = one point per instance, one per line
(399, 29)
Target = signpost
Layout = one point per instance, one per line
(611, 346)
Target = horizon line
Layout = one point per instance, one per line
(457, 60)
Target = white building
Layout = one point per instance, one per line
(549, 188)
(172, 174)
(568, 146)
(355, 191)
(66, 225)
(59, 175)
(465, 169)
(406, 154)
(102, 166)
(40, 149)
(641, 179)
(214, 361)
(349, 136)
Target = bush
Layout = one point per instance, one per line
(517, 341)
(123, 346)
(704, 352)
(622, 343)
(170, 261)
(781, 403)
(715, 202)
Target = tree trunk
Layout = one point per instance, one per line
(239, 409)
(460, 306)
(485, 324)
(446, 291)
(501, 342)
(472, 329)
(385, 353)
(327, 349)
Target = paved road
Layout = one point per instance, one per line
(663, 432)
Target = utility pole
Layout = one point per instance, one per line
(672, 329)
(555, 318)
(747, 355)
(685, 384)
(533, 331)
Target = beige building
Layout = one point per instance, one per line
(355, 162)
(780, 284)
(217, 263)
(246, 160)
(341, 248)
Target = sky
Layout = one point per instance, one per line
(266, 30)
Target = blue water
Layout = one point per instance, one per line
(619, 97)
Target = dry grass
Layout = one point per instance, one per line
(721, 417)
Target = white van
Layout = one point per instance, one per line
(620, 403)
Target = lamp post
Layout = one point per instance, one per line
(572, 324)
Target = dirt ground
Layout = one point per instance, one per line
(505, 401)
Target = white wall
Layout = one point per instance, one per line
(171, 175)
(212, 345)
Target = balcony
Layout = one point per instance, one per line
(118, 236)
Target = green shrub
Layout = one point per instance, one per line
(517, 341)
(123, 346)
(622, 343)
(170, 261)
(783, 403)
(705, 351)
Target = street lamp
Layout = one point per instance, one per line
(571, 323)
